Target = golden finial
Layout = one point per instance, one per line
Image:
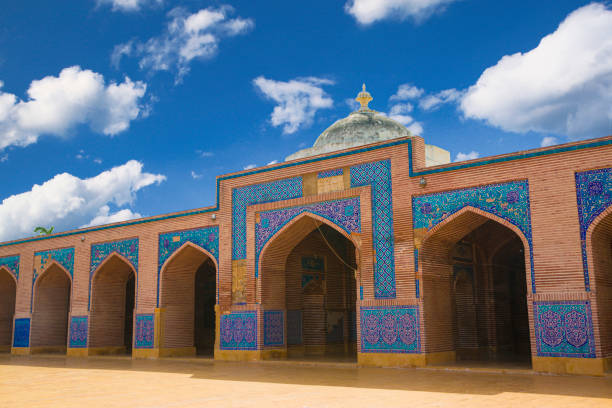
(364, 98)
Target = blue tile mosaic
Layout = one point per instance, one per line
(64, 257)
(330, 173)
(257, 194)
(239, 331)
(509, 201)
(594, 196)
(145, 330)
(274, 325)
(378, 175)
(127, 248)
(345, 213)
(390, 329)
(12, 264)
(294, 327)
(564, 329)
(78, 332)
(21, 337)
(206, 238)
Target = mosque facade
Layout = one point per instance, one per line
(370, 245)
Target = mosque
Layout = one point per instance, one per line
(369, 246)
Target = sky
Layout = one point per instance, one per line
(117, 109)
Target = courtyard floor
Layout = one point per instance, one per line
(108, 382)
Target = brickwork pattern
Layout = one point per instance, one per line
(388, 329)
(294, 327)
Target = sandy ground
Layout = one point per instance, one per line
(43, 381)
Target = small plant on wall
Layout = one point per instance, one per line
(43, 230)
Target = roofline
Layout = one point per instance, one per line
(524, 154)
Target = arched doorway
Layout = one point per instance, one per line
(599, 240)
(308, 270)
(473, 268)
(188, 297)
(8, 291)
(113, 292)
(50, 308)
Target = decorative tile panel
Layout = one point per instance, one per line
(378, 175)
(12, 264)
(127, 248)
(22, 333)
(330, 173)
(345, 213)
(390, 329)
(509, 201)
(64, 257)
(257, 194)
(78, 332)
(564, 329)
(145, 330)
(294, 327)
(206, 238)
(239, 331)
(274, 325)
(594, 196)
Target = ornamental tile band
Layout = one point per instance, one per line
(564, 329)
(64, 257)
(594, 196)
(330, 173)
(509, 201)
(378, 175)
(390, 329)
(206, 238)
(11, 263)
(274, 324)
(145, 331)
(127, 248)
(239, 331)
(345, 213)
(257, 194)
(78, 332)
(21, 336)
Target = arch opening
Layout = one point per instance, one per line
(475, 291)
(113, 296)
(8, 293)
(188, 296)
(308, 271)
(601, 250)
(50, 309)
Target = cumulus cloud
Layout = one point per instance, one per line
(249, 166)
(187, 37)
(406, 92)
(548, 141)
(272, 162)
(400, 113)
(66, 201)
(370, 11)
(298, 100)
(195, 175)
(433, 101)
(563, 86)
(467, 156)
(130, 5)
(57, 104)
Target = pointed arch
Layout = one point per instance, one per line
(11, 274)
(8, 296)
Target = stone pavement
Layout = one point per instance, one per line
(108, 382)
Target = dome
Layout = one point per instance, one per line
(362, 127)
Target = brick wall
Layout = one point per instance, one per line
(50, 308)
(8, 289)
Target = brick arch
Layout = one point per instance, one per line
(435, 265)
(8, 294)
(108, 314)
(50, 308)
(176, 294)
(599, 261)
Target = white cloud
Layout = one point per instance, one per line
(272, 162)
(467, 156)
(195, 175)
(57, 105)
(352, 104)
(130, 5)
(407, 91)
(97, 160)
(3, 157)
(400, 113)
(187, 37)
(432, 102)
(249, 166)
(203, 153)
(563, 86)
(104, 216)
(66, 201)
(369, 11)
(298, 100)
(548, 141)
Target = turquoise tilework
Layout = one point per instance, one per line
(12, 264)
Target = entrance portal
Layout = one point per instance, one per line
(112, 307)
(601, 246)
(8, 291)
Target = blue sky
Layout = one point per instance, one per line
(114, 109)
